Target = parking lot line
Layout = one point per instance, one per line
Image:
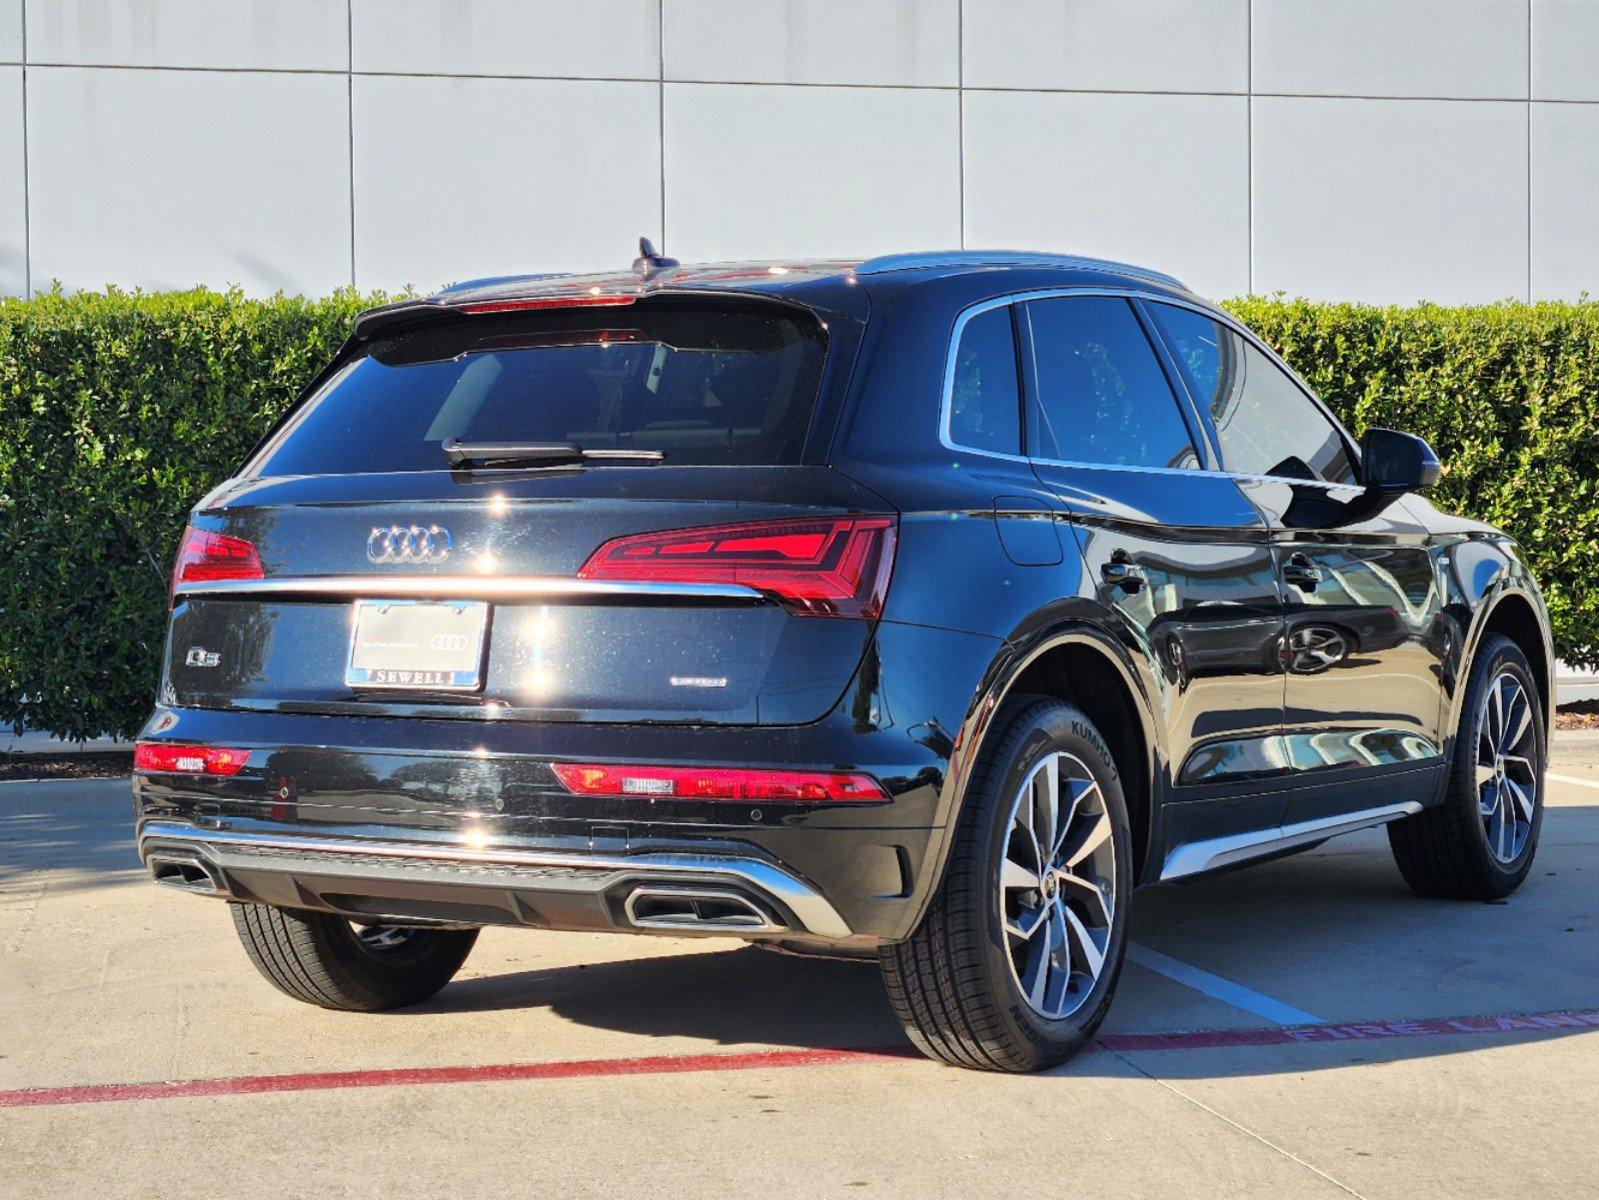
(1587, 783)
(1561, 1021)
(1235, 994)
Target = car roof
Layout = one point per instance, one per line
(815, 282)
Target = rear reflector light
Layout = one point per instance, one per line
(178, 759)
(827, 567)
(707, 783)
(528, 303)
(204, 556)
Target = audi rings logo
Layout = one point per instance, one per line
(408, 543)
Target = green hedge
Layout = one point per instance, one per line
(118, 411)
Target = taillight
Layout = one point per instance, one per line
(718, 783)
(827, 567)
(204, 556)
(176, 759)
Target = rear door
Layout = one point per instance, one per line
(1175, 551)
(721, 578)
(1363, 662)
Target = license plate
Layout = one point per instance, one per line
(425, 645)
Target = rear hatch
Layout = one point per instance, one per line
(607, 513)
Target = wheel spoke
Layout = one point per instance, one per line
(1518, 795)
(1081, 790)
(1488, 801)
(1094, 834)
(1013, 875)
(1035, 975)
(1485, 774)
(1522, 764)
(1060, 949)
(1520, 720)
(1497, 693)
(1086, 949)
(1046, 796)
(1028, 922)
(1090, 896)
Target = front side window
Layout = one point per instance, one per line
(985, 404)
(1266, 425)
(1102, 396)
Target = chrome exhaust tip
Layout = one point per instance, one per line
(677, 909)
(187, 873)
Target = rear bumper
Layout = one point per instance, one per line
(473, 805)
(686, 891)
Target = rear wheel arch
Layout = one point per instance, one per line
(1083, 667)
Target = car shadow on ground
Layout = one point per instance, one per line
(1337, 931)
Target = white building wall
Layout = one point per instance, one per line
(1382, 150)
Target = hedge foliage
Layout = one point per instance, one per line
(119, 410)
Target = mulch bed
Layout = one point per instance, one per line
(103, 764)
(1579, 714)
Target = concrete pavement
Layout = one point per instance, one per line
(562, 1091)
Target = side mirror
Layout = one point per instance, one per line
(1392, 461)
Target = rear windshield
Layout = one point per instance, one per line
(705, 384)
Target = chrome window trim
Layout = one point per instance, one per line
(946, 399)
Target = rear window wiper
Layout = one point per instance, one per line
(536, 454)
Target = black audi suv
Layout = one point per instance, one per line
(915, 610)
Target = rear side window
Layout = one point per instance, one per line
(985, 405)
(705, 384)
(1266, 425)
(1102, 396)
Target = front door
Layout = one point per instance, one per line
(1363, 684)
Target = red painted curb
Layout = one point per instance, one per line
(242, 1085)
(246, 1085)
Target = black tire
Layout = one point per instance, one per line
(1444, 852)
(952, 984)
(321, 959)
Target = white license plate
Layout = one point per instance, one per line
(426, 645)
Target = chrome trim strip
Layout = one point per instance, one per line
(1241, 847)
(465, 587)
(805, 902)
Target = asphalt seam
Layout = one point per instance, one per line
(1239, 1126)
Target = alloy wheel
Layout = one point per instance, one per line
(1507, 770)
(381, 940)
(1057, 885)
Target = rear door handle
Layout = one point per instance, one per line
(1301, 573)
(1125, 575)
